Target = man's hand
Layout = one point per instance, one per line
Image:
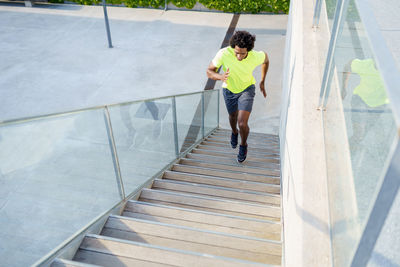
(225, 76)
(262, 89)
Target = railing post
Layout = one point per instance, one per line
(175, 122)
(218, 92)
(202, 114)
(317, 13)
(340, 15)
(114, 154)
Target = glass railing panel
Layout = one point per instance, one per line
(211, 110)
(144, 138)
(56, 175)
(188, 110)
(359, 134)
(387, 247)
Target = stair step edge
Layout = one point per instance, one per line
(219, 187)
(196, 229)
(204, 212)
(179, 251)
(229, 171)
(211, 198)
(63, 262)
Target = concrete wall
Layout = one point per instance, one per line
(304, 189)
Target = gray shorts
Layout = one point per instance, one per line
(241, 101)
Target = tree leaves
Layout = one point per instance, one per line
(232, 6)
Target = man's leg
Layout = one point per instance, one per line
(243, 119)
(231, 101)
(233, 118)
(245, 105)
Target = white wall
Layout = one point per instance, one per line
(304, 189)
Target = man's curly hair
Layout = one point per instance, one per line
(243, 39)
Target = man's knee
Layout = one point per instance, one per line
(233, 116)
(242, 124)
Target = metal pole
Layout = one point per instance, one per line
(218, 92)
(166, 5)
(114, 154)
(107, 24)
(202, 115)
(175, 126)
(317, 13)
(340, 15)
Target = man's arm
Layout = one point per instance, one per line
(214, 75)
(264, 70)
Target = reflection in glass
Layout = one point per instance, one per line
(56, 175)
(188, 110)
(370, 127)
(360, 131)
(144, 137)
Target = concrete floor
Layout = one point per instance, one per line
(55, 58)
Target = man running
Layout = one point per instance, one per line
(238, 62)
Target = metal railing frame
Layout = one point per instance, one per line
(340, 14)
(317, 13)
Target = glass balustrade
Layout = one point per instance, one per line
(360, 135)
(58, 173)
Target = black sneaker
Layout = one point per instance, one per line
(234, 140)
(242, 153)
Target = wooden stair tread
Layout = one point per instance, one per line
(211, 218)
(70, 263)
(205, 226)
(194, 235)
(245, 215)
(198, 175)
(223, 148)
(153, 253)
(271, 164)
(215, 203)
(221, 131)
(217, 191)
(228, 164)
(221, 171)
(227, 146)
(226, 140)
(103, 258)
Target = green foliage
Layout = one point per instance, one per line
(233, 6)
(189, 4)
(246, 6)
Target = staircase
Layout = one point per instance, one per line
(207, 210)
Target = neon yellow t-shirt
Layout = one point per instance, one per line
(241, 72)
(371, 88)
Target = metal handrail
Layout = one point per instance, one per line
(317, 13)
(63, 113)
(340, 14)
